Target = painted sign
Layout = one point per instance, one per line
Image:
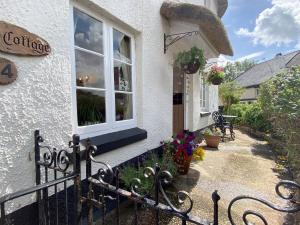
(16, 40)
(8, 71)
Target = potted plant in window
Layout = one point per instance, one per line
(212, 138)
(191, 61)
(216, 75)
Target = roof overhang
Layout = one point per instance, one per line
(222, 7)
(209, 23)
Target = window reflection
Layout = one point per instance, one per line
(88, 32)
(121, 46)
(122, 76)
(90, 107)
(89, 70)
(123, 106)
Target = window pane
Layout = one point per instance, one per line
(121, 46)
(122, 76)
(123, 106)
(89, 70)
(90, 107)
(88, 32)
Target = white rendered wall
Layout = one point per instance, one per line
(41, 96)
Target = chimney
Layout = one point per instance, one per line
(278, 54)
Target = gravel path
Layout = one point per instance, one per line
(240, 167)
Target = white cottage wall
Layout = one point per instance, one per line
(41, 97)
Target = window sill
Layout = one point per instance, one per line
(205, 114)
(111, 141)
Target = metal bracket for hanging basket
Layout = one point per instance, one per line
(170, 39)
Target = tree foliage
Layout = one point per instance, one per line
(230, 93)
(233, 70)
(280, 98)
(281, 94)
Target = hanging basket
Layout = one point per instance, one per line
(183, 165)
(217, 81)
(191, 67)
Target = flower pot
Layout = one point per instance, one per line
(217, 81)
(183, 165)
(191, 67)
(212, 141)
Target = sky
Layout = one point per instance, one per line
(259, 29)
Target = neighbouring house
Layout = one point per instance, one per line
(106, 78)
(252, 78)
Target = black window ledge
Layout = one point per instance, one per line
(112, 141)
(204, 114)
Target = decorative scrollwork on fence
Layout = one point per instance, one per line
(165, 177)
(53, 158)
(63, 160)
(48, 158)
(162, 178)
(292, 209)
(136, 183)
(105, 174)
(135, 186)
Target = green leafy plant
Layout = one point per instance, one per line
(230, 93)
(239, 111)
(193, 56)
(90, 108)
(250, 115)
(280, 98)
(255, 118)
(210, 132)
(129, 173)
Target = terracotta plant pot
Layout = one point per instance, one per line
(191, 67)
(217, 81)
(183, 165)
(212, 141)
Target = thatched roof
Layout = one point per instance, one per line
(210, 24)
(222, 6)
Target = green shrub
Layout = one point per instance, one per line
(129, 173)
(280, 98)
(255, 118)
(250, 115)
(239, 111)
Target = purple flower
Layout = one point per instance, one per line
(189, 150)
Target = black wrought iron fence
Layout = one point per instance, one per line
(52, 171)
(108, 182)
(55, 168)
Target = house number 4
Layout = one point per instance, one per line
(8, 71)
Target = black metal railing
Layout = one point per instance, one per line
(295, 207)
(50, 162)
(55, 168)
(105, 176)
(104, 181)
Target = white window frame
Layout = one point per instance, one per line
(111, 125)
(204, 95)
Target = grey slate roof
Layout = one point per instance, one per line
(265, 70)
